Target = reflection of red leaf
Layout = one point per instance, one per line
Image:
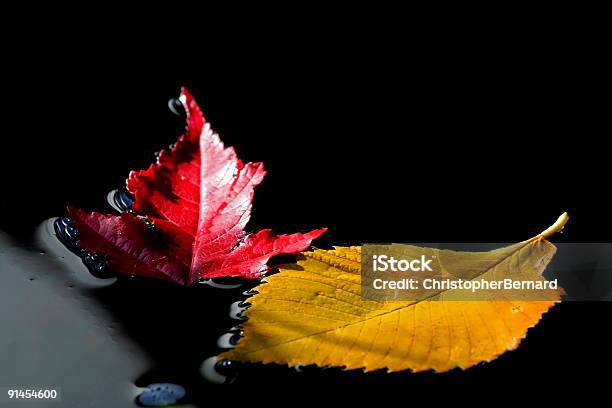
(198, 196)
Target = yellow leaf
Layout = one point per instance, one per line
(312, 312)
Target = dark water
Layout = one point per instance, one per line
(68, 321)
(143, 331)
(104, 341)
(119, 341)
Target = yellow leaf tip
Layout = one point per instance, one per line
(556, 227)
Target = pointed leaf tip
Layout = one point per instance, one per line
(556, 227)
(199, 196)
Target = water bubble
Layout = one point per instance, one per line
(218, 283)
(228, 340)
(67, 234)
(52, 237)
(219, 371)
(236, 311)
(71, 231)
(208, 369)
(241, 317)
(96, 264)
(160, 394)
(225, 367)
(120, 199)
(147, 222)
(177, 107)
(235, 339)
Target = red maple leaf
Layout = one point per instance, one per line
(197, 201)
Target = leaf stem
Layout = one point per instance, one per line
(556, 227)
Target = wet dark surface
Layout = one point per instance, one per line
(477, 150)
(173, 329)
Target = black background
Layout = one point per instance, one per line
(379, 136)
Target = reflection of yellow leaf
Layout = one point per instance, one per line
(313, 313)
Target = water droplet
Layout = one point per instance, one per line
(228, 340)
(235, 339)
(160, 394)
(147, 222)
(63, 226)
(226, 367)
(177, 107)
(208, 369)
(42, 252)
(120, 199)
(71, 231)
(219, 283)
(240, 317)
(67, 234)
(244, 304)
(96, 264)
(236, 311)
